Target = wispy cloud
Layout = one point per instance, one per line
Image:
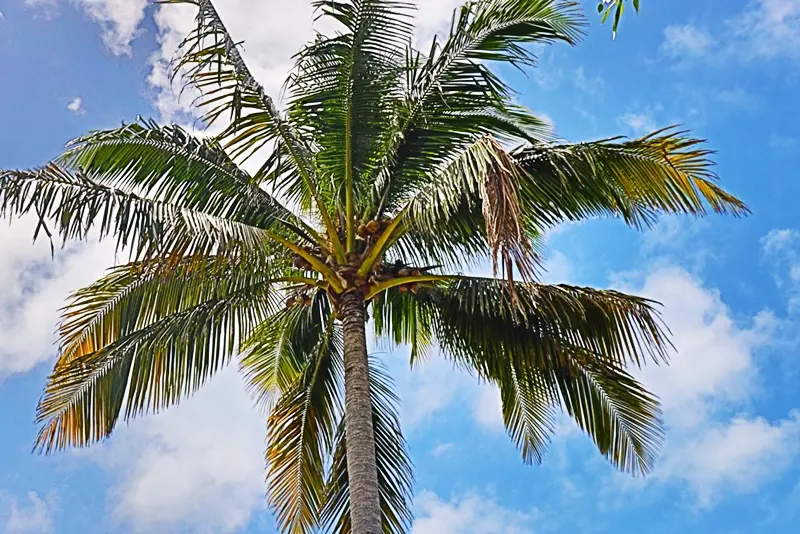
(472, 513)
(119, 20)
(638, 122)
(781, 247)
(768, 29)
(686, 40)
(76, 106)
(764, 29)
(33, 515)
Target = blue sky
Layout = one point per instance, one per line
(728, 70)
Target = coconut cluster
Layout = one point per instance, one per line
(367, 233)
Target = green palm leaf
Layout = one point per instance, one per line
(301, 431)
(398, 317)
(211, 63)
(341, 93)
(395, 473)
(76, 206)
(664, 172)
(167, 163)
(546, 346)
(617, 412)
(144, 343)
(453, 96)
(275, 354)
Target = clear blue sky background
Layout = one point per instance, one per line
(729, 70)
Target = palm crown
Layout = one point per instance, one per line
(388, 171)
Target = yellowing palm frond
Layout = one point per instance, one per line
(143, 343)
(636, 180)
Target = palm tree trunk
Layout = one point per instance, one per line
(362, 471)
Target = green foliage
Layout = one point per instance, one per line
(395, 473)
(390, 172)
(142, 338)
(606, 7)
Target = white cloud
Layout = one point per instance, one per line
(472, 513)
(42, 4)
(638, 123)
(442, 449)
(713, 365)
(35, 516)
(764, 29)
(199, 466)
(713, 373)
(686, 41)
(488, 409)
(119, 20)
(780, 240)
(35, 287)
(433, 17)
(783, 143)
(782, 248)
(768, 29)
(591, 85)
(735, 97)
(76, 106)
(431, 387)
(737, 456)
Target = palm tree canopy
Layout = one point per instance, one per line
(389, 170)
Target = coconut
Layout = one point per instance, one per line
(373, 226)
(300, 263)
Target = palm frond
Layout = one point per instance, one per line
(664, 172)
(168, 164)
(138, 294)
(76, 206)
(274, 356)
(623, 419)
(473, 204)
(534, 321)
(399, 317)
(142, 344)
(342, 89)
(210, 61)
(395, 473)
(452, 95)
(301, 432)
(529, 409)
(548, 346)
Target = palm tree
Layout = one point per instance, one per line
(388, 171)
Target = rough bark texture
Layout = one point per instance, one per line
(365, 509)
